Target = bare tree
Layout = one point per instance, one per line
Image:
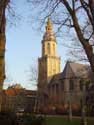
(34, 79)
(76, 52)
(33, 75)
(7, 12)
(76, 15)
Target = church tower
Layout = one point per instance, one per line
(49, 63)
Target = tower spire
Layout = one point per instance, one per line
(49, 34)
(49, 26)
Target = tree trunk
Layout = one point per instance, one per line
(91, 4)
(3, 5)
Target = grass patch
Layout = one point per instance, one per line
(55, 120)
(90, 121)
(61, 121)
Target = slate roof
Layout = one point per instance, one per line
(73, 70)
(77, 69)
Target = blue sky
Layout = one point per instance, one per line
(23, 46)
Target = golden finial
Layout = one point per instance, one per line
(49, 25)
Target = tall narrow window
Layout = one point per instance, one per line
(57, 89)
(48, 48)
(71, 86)
(43, 49)
(81, 85)
(62, 85)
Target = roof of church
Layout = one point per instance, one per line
(77, 69)
(56, 77)
(73, 70)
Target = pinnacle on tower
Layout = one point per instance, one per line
(49, 34)
(49, 26)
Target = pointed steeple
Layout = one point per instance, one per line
(49, 26)
(49, 34)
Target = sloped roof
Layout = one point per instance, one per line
(77, 69)
(72, 70)
(56, 78)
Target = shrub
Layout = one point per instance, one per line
(8, 118)
(28, 119)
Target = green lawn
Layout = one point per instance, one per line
(53, 120)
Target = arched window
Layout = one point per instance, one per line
(48, 48)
